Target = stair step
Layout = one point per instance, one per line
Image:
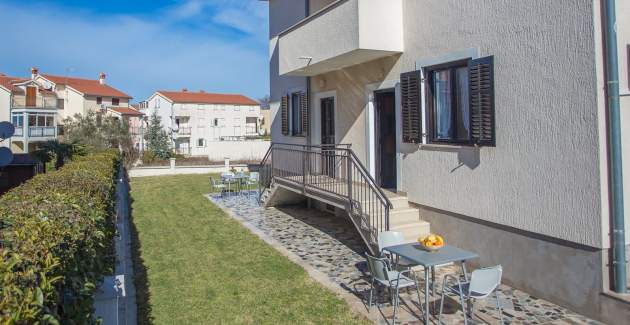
(413, 230)
(403, 216)
(399, 202)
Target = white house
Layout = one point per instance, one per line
(490, 118)
(195, 119)
(38, 105)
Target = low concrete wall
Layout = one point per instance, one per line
(235, 150)
(181, 170)
(565, 273)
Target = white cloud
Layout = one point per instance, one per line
(139, 54)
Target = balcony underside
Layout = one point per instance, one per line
(339, 62)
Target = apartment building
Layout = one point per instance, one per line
(38, 105)
(489, 117)
(193, 119)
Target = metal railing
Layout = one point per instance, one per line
(184, 130)
(41, 131)
(40, 102)
(333, 171)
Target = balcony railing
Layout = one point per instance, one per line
(41, 131)
(185, 130)
(40, 102)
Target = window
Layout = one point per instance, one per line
(157, 103)
(201, 142)
(459, 103)
(449, 110)
(215, 122)
(115, 101)
(99, 100)
(296, 115)
(17, 120)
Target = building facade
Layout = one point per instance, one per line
(195, 119)
(489, 116)
(37, 106)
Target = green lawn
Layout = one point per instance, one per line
(196, 265)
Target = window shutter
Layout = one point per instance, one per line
(284, 108)
(304, 111)
(481, 72)
(411, 104)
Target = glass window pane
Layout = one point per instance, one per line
(41, 120)
(32, 120)
(296, 117)
(442, 104)
(50, 120)
(463, 108)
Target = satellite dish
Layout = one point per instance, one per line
(6, 156)
(6, 130)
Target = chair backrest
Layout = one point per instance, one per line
(378, 267)
(254, 176)
(227, 175)
(390, 238)
(484, 281)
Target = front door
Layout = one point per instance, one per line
(328, 135)
(385, 139)
(31, 96)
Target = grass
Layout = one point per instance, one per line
(196, 265)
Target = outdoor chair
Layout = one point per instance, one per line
(393, 238)
(383, 275)
(252, 181)
(227, 178)
(217, 186)
(483, 282)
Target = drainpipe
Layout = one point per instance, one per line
(616, 173)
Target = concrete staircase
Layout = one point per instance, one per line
(405, 218)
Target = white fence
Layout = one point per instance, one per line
(235, 150)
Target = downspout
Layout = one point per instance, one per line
(616, 172)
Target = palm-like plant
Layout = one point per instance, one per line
(60, 151)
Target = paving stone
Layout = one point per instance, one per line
(331, 245)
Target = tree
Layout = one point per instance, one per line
(157, 139)
(59, 151)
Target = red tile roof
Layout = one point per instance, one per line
(7, 81)
(126, 111)
(87, 86)
(206, 98)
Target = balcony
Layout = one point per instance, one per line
(40, 102)
(42, 132)
(184, 131)
(346, 33)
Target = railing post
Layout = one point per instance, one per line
(304, 170)
(349, 177)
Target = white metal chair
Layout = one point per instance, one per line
(483, 282)
(252, 181)
(227, 178)
(393, 238)
(393, 280)
(217, 186)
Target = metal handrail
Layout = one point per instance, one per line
(365, 173)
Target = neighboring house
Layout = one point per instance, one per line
(21, 169)
(136, 121)
(38, 105)
(6, 87)
(193, 119)
(265, 124)
(488, 119)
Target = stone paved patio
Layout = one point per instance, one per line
(331, 245)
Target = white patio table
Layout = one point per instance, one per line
(429, 260)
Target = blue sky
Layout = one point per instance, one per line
(142, 45)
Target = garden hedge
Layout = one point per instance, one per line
(57, 242)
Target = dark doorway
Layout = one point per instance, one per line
(385, 138)
(328, 135)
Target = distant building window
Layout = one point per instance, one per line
(215, 122)
(115, 101)
(201, 142)
(157, 103)
(99, 100)
(296, 115)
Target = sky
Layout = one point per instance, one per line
(142, 45)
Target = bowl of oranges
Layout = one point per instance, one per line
(431, 242)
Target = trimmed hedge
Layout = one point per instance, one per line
(57, 242)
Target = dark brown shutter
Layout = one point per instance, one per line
(304, 111)
(411, 104)
(481, 72)
(284, 113)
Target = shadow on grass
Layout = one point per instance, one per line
(140, 280)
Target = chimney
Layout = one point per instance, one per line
(184, 90)
(202, 91)
(34, 72)
(101, 78)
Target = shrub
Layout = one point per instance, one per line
(56, 242)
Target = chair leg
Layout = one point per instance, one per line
(463, 303)
(441, 307)
(418, 293)
(396, 302)
(499, 307)
(371, 290)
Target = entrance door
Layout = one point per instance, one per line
(385, 138)
(31, 96)
(328, 135)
